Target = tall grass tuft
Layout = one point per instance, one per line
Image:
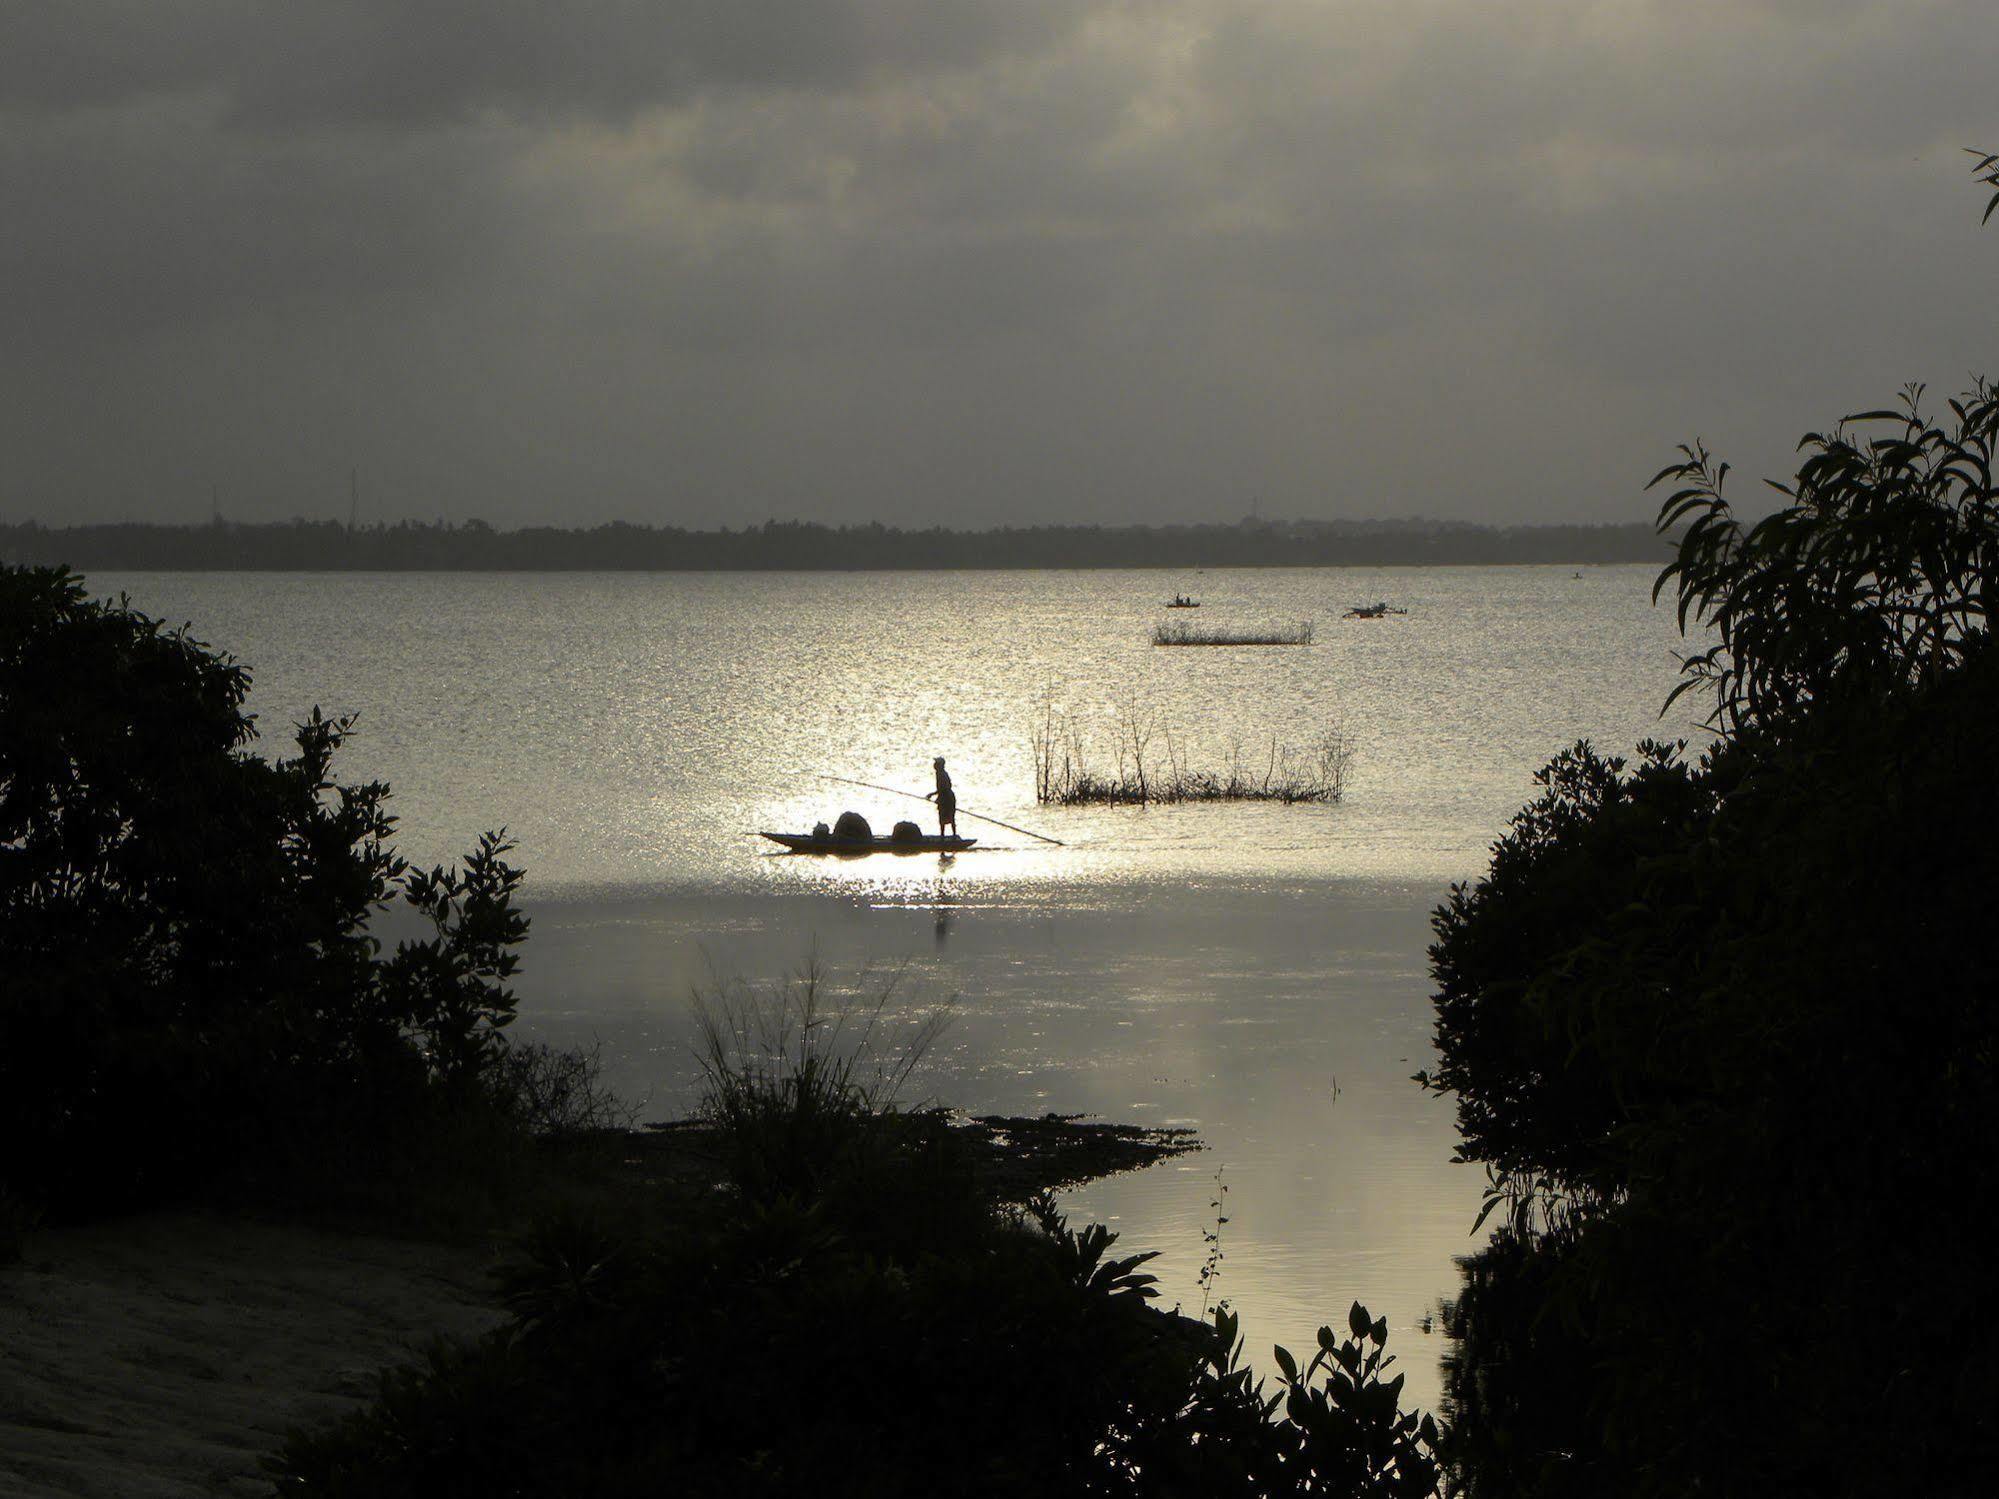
(793, 1073)
(1185, 632)
(1145, 764)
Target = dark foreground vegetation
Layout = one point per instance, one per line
(1723, 1028)
(191, 993)
(329, 546)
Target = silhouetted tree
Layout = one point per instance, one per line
(1723, 1031)
(186, 974)
(320, 546)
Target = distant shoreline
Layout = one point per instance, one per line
(473, 546)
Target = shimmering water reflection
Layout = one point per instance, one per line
(637, 730)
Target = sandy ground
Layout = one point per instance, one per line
(169, 1354)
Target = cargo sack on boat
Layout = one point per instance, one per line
(852, 825)
(906, 832)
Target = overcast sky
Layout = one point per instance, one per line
(968, 261)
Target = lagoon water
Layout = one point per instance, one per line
(1255, 972)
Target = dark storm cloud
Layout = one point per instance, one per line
(148, 216)
(289, 62)
(170, 159)
(974, 259)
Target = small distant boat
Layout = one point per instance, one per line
(1372, 611)
(1181, 601)
(929, 843)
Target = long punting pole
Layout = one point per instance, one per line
(913, 796)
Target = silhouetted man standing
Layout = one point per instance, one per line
(947, 801)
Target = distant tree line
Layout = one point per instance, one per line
(473, 545)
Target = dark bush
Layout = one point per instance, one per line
(1723, 1032)
(190, 985)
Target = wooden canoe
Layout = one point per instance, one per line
(805, 843)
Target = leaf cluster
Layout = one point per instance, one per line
(1873, 577)
(1343, 1434)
